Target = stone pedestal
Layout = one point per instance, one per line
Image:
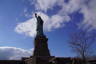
(41, 46)
(41, 54)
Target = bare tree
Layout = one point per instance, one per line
(81, 43)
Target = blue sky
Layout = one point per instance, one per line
(61, 18)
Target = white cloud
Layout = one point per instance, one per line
(86, 7)
(50, 23)
(45, 4)
(27, 28)
(89, 12)
(57, 21)
(13, 53)
(71, 6)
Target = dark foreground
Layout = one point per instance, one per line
(58, 60)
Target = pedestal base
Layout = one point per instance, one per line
(39, 60)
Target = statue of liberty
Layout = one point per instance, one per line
(39, 28)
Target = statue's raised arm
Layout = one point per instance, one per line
(39, 28)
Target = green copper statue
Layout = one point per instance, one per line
(39, 25)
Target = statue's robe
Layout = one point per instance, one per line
(39, 26)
